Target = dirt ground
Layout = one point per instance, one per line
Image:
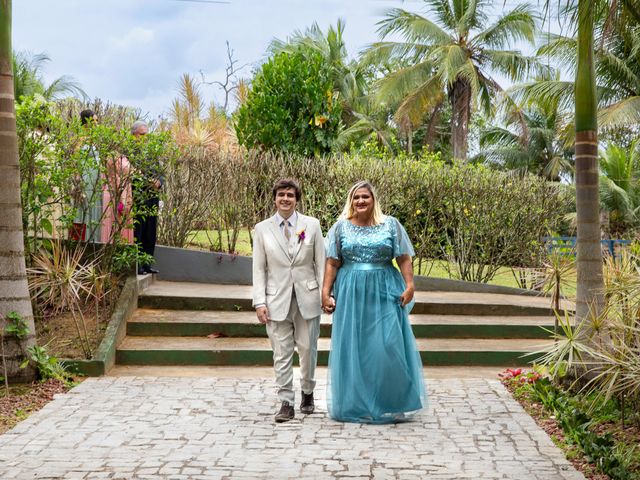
(24, 400)
(59, 333)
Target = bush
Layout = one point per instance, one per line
(291, 107)
(477, 218)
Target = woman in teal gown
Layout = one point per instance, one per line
(375, 371)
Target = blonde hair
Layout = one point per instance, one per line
(347, 211)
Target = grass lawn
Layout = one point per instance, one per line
(208, 240)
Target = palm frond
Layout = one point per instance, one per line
(442, 10)
(617, 74)
(470, 16)
(382, 52)
(411, 27)
(614, 197)
(623, 113)
(515, 26)
(418, 102)
(361, 129)
(557, 91)
(498, 136)
(561, 49)
(392, 88)
(64, 85)
(513, 64)
(453, 58)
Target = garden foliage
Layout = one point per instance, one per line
(579, 427)
(291, 106)
(476, 218)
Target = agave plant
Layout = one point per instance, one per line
(604, 350)
(58, 280)
(555, 277)
(570, 350)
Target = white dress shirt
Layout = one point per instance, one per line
(293, 220)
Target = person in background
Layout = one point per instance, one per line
(117, 201)
(146, 193)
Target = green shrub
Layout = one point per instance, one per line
(291, 106)
(477, 218)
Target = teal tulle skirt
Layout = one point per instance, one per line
(375, 370)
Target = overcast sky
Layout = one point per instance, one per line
(133, 52)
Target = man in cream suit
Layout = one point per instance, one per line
(288, 266)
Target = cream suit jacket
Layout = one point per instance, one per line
(276, 274)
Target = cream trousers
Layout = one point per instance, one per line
(294, 333)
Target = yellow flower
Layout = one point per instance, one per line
(320, 120)
(418, 212)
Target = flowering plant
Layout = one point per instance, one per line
(301, 235)
(520, 375)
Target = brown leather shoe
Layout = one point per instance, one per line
(307, 405)
(286, 413)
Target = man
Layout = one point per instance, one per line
(288, 266)
(146, 199)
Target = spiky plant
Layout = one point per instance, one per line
(555, 277)
(570, 349)
(58, 280)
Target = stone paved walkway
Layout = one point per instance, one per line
(208, 428)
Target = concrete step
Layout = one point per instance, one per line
(257, 351)
(162, 322)
(198, 296)
(265, 372)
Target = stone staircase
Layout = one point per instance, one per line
(179, 323)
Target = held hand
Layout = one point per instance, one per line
(328, 304)
(406, 296)
(263, 315)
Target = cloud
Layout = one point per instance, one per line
(133, 39)
(134, 51)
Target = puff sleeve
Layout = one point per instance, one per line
(401, 242)
(333, 242)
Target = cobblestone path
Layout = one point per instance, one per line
(208, 428)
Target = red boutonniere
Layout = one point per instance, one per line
(301, 236)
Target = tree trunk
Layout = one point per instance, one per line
(590, 295)
(460, 97)
(14, 291)
(430, 135)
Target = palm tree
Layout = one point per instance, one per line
(28, 80)
(14, 293)
(620, 187)
(452, 59)
(617, 68)
(533, 139)
(348, 76)
(589, 295)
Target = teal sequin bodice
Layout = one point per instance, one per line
(367, 244)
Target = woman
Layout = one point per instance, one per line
(117, 202)
(375, 372)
